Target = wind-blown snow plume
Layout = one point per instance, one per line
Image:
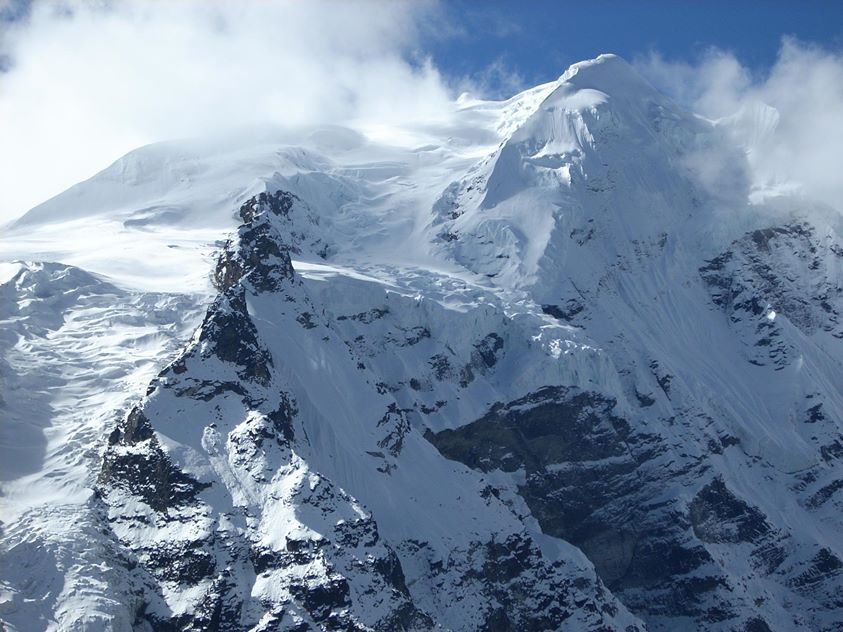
(88, 82)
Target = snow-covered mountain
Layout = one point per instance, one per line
(549, 365)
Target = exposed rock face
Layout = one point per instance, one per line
(768, 268)
(136, 464)
(202, 562)
(257, 251)
(590, 478)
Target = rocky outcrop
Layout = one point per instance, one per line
(211, 564)
(763, 276)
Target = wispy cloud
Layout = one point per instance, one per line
(497, 80)
(789, 118)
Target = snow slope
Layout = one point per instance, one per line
(548, 365)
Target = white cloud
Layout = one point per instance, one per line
(791, 118)
(92, 81)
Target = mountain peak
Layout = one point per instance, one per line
(600, 112)
(609, 74)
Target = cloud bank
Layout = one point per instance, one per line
(88, 82)
(790, 119)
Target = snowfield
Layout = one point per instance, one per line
(537, 367)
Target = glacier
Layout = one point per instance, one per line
(555, 363)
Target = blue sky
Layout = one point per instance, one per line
(537, 40)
